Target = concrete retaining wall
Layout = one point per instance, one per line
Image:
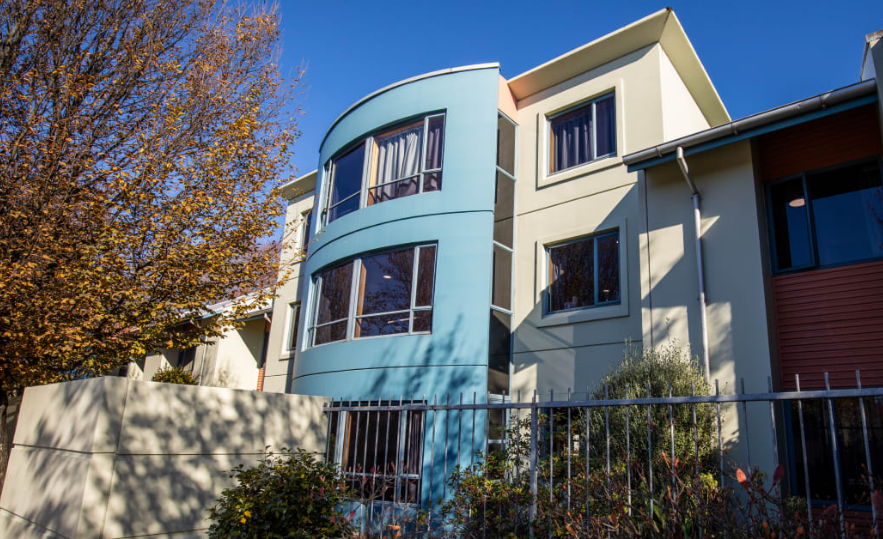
(112, 457)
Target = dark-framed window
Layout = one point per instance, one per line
(187, 358)
(307, 220)
(825, 218)
(380, 294)
(583, 273)
(395, 163)
(582, 134)
(849, 437)
(293, 325)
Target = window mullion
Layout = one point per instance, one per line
(501, 310)
(422, 162)
(366, 171)
(354, 287)
(384, 313)
(414, 273)
(326, 200)
(595, 270)
(810, 222)
(510, 176)
(594, 130)
(503, 247)
(314, 316)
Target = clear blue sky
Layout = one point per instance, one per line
(759, 54)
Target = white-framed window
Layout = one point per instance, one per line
(293, 325)
(396, 163)
(379, 453)
(388, 293)
(582, 134)
(583, 272)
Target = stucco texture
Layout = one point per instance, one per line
(112, 457)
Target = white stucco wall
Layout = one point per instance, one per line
(111, 457)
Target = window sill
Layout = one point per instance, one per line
(287, 354)
(372, 337)
(580, 170)
(584, 315)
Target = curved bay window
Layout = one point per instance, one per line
(393, 164)
(384, 294)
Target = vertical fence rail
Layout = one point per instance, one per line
(868, 464)
(393, 470)
(835, 449)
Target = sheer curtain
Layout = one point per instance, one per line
(397, 157)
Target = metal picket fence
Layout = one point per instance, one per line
(410, 445)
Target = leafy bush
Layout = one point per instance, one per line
(175, 375)
(660, 369)
(290, 495)
(492, 498)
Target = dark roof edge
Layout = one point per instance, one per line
(818, 102)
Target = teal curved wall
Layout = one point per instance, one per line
(459, 217)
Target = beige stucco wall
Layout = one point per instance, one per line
(739, 345)
(112, 457)
(280, 359)
(236, 356)
(558, 351)
(230, 360)
(680, 113)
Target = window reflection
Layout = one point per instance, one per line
(847, 209)
(584, 273)
(828, 218)
(387, 301)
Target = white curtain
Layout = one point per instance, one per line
(398, 156)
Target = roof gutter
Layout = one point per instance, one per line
(666, 151)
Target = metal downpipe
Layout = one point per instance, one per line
(697, 225)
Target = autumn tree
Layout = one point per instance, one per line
(140, 145)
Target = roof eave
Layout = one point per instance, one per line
(299, 186)
(662, 27)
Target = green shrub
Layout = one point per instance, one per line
(175, 375)
(657, 368)
(289, 495)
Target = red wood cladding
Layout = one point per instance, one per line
(835, 139)
(830, 320)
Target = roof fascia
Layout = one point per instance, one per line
(680, 51)
(603, 50)
(751, 133)
(662, 27)
(299, 186)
